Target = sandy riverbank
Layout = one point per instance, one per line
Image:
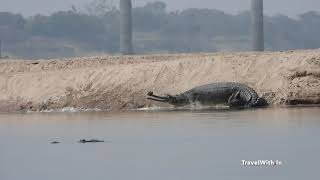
(115, 82)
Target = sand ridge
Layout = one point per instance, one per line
(121, 82)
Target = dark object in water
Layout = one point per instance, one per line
(90, 141)
(230, 93)
(55, 142)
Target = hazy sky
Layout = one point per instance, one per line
(288, 7)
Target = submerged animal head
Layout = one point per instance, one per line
(178, 100)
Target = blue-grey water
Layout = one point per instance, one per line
(161, 145)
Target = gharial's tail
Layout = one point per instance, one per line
(261, 102)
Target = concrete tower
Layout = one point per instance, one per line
(257, 25)
(126, 27)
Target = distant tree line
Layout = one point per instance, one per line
(156, 30)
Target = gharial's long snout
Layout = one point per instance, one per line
(153, 97)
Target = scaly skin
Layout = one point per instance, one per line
(231, 93)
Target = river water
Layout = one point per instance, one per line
(161, 145)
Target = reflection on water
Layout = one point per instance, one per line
(158, 145)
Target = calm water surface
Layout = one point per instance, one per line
(161, 145)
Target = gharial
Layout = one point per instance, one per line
(230, 93)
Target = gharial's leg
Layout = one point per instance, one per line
(235, 100)
(192, 98)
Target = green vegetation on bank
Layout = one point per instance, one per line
(156, 30)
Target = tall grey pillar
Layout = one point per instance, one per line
(126, 27)
(257, 25)
(0, 49)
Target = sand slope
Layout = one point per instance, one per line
(122, 82)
